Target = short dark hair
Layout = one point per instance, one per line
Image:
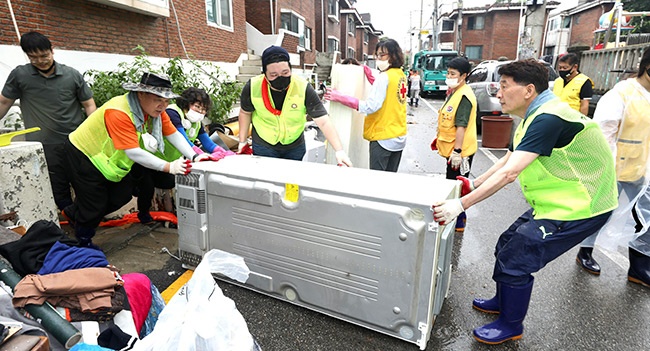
(570, 58)
(461, 64)
(34, 41)
(393, 50)
(528, 71)
(192, 95)
(645, 63)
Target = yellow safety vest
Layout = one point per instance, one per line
(92, 138)
(171, 153)
(577, 181)
(390, 120)
(571, 92)
(290, 124)
(632, 144)
(447, 124)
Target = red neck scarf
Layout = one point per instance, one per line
(267, 100)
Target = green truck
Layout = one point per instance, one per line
(432, 67)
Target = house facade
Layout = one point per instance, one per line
(98, 34)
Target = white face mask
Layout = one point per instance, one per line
(452, 83)
(149, 142)
(383, 65)
(194, 116)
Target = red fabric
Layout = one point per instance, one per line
(246, 150)
(138, 291)
(133, 218)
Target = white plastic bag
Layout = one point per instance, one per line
(199, 317)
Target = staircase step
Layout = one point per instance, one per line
(254, 70)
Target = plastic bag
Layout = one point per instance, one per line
(199, 317)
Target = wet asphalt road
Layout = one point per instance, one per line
(569, 309)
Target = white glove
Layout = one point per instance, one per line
(446, 211)
(180, 166)
(203, 157)
(343, 159)
(455, 159)
(240, 147)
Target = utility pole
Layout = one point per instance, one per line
(420, 28)
(459, 32)
(434, 35)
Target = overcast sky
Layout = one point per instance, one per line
(395, 17)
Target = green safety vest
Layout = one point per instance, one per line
(577, 181)
(290, 124)
(92, 138)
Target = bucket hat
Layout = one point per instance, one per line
(153, 83)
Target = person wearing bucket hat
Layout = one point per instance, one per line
(276, 103)
(127, 129)
(51, 97)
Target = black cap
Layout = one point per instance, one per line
(274, 54)
(461, 64)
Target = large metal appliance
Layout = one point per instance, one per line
(355, 244)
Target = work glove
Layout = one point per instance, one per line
(368, 72)
(455, 159)
(241, 147)
(197, 149)
(343, 159)
(180, 166)
(349, 101)
(203, 157)
(446, 211)
(434, 144)
(467, 187)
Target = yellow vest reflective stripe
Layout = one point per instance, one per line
(571, 92)
(577, 181)
(632, 144)
(447, 124)
(390, 120)
(92, 138)
(290, 124)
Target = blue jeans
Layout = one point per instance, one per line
(296, 153)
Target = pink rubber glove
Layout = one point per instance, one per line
(348, 101)
(197, 149)
(368, 72)
(467, 187)
(218, 153)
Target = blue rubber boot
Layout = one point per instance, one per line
(513, 300)
(490, 305)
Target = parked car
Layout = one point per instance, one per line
(484, 81)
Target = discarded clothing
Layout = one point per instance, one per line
(62, 257)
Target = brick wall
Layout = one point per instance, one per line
(584, 23)
(498, 38)
(87, 26)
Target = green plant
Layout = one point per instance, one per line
(183, 74)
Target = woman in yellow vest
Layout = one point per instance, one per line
(622, 114)
(277, 104)
(573, 87)
(385, 108)
(456, 140)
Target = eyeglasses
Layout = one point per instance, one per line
(382, 54)
(41, 57)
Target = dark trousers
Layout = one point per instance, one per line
(382, 159)
(529, 244)
(145, 181)
(57, 168)
(95, 196)
(453, 173)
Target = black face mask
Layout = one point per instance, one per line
(564, 74)
(281, 83)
